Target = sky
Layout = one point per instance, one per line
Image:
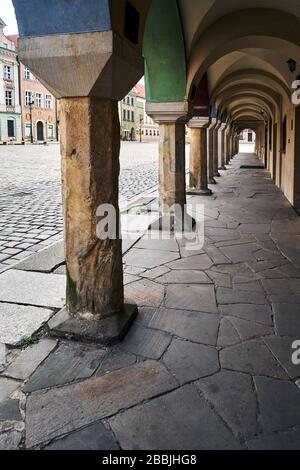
(7, 13)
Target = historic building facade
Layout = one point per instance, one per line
(247, 136)
(134, 121)
(10, 109)
(39, 107)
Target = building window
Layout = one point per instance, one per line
(132, 116)
(9, 98)
(28, 98)
(146, 131)
(128, 100)
(48, 102)
(132, 102)
(124, 114)
(27, 130)
(10, 128)
(39, 100)
(27, 74)
(50, 131)
(128, 115)
(7, 72)
(151, 133)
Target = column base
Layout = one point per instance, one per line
(223, 168)
(105, 331)
(199, 192)
(212, 181)
(173, 224)
(217, 174)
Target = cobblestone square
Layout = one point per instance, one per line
(30, 193)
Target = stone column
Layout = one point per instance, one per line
(222, 147)
(198, 156)
(171, 118)
(90, 143)
(216, 149)
(90, 147)
(210, 150)
(227, 140)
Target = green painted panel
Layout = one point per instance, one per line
(164, 53)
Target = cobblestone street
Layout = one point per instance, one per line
(30, 199)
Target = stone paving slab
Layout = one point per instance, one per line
(279, 403)
(256, 313)
(145, 293)
(190, 297)
(228, 335)
(190, 361)
(193, 326)
(184, 277)
(69, 362)
(7, 387)
(10, 440)
(282, 349)
(39, 289)
(52, 413)
(149, 259)
(282, 441)
(252, 357)
(287, 319)
(44, 261)
(232, 395)
(146, 342)
(30, 359)
(94, 437)
(10, 411)
(18, 322)
(199, 262)
(180, 420)
(238, 296)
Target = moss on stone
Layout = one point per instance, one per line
(72, 298)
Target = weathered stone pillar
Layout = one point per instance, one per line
(89, 72)
(216, 149)
(227, 146)
(232, 149)
(210, 150)
(222, 147)
(171, 118)
(90, 147)
(198, 156)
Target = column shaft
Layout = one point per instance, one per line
(210, 155)
(172, 164)
(198, 160)
(90, 144)
(216, 151)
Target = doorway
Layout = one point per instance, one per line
(40, 131)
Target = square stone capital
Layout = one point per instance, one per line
(83, 65)
(199, 122)
(164, 113)
(222, 127)
(212, 124)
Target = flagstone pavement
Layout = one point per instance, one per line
(206, 365)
